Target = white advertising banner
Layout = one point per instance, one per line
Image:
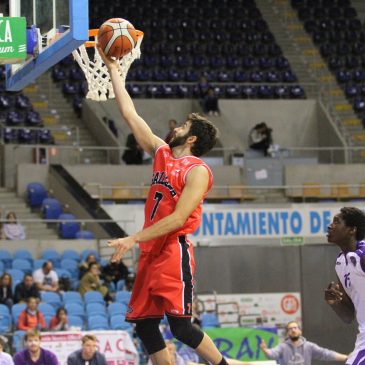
(117, 346)
(231, 221)
(254, 310)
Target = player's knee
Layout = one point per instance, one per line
(184, 331)
(149, 333)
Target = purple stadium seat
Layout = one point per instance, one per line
(33, 119)
(174, 75)
(224, 76)
(136, 90)
(14, 118)
(23, 102)
(249, 92)
(183, 61)
(359, 105)
(265, 92)
(232, 91)
(358, 75)
(25, 136)
(297, 92)
(335, 63)
(257, 76)
(240, 76)
(352, 91)
(154, 91)
(343, 76)
(281, 92)
(10, 135)
(249, 62)
(191, 76)
(159, 75)
(184, 91)
(232, 61)
(5, 102)
(273, 76)
(289, 76)
(150, 60)
(166, 61)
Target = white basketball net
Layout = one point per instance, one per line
(96, 73)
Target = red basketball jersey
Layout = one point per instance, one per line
(168, 181)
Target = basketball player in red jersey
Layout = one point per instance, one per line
(181, 180)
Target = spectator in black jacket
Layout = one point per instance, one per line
(88, 353)
(133, 155)
(115, 271)
(26, 289)
(6, 292)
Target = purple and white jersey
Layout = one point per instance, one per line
(351, 272)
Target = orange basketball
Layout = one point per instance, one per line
(117, 37)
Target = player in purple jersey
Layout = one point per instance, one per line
(347, 296)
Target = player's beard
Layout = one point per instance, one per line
(295, 338)
(178, 141)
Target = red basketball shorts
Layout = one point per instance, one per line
(164, 282)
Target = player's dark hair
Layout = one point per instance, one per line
(206, 134)
(354, 217)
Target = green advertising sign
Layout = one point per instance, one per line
(12, 39)
(242, 343)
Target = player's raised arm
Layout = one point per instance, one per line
(143, 133)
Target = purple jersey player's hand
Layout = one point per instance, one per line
(121, 245)
(333, 294)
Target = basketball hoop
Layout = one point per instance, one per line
(96, 73)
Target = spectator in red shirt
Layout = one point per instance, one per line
(31, 317)
(59, 322)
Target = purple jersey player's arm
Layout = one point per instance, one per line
(339, 301)
(148, 141)
(195, 187)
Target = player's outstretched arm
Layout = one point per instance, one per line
(339, 301)
(143, 133)
(196, 186)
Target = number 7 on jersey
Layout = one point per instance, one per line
(158, 197)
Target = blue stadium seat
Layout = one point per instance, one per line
(95, 308)
(97, 323)
(123, 296)
(72, 266)
(47, 309)
(51, 208)
(72, 297)
(67, 228)
(71, 254)
(37, 264)
(93, 297)
(62, 273)
(75, 309)
(117, 309)
(16, 309)
(5, 319)
(24, 255)
(36, 192)
(75, 321)
(18, 337)
(16, 274)
(6, 257)
(120, 285)
(51, 298)
(51, 255)
(85, 235)
(117, 322)
(23, 265)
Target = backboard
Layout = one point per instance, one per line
(62, 27)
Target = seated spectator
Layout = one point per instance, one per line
(84, 266)
(210, 103)
(26, 289)
(59, 322)
(115, 271)
(45, 278)
(203, 87)
(33, 354)
(31, 317)
(172, 126)
(91, 281)
(133, 155)
(5, 359)
(6, 291)
(111, 124)
(260, 137)
(88, 354)
(12, 230)
(175, 358)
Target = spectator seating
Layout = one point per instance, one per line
(47, 309)
(67, 228)
(71, 266)
(24, 265)
(95, 308)
(36, 192)
(75, 321)
(37, 264)
(16, 309)
(53, 256)
(71, 254)
(51, 208)
(117, 309)
(117, 322)
(76, 309)
(97, 322)
(123, 296)
(6, 258)
(5, 318)
(85, 235)
(18, 337)
(93, 297)
(16, 274)
(51, 298)
(24, 255)
(87, 252)
(72, 297)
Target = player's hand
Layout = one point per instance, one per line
(333, 294)
(263, 345)
(109, 62)
(121, 245)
